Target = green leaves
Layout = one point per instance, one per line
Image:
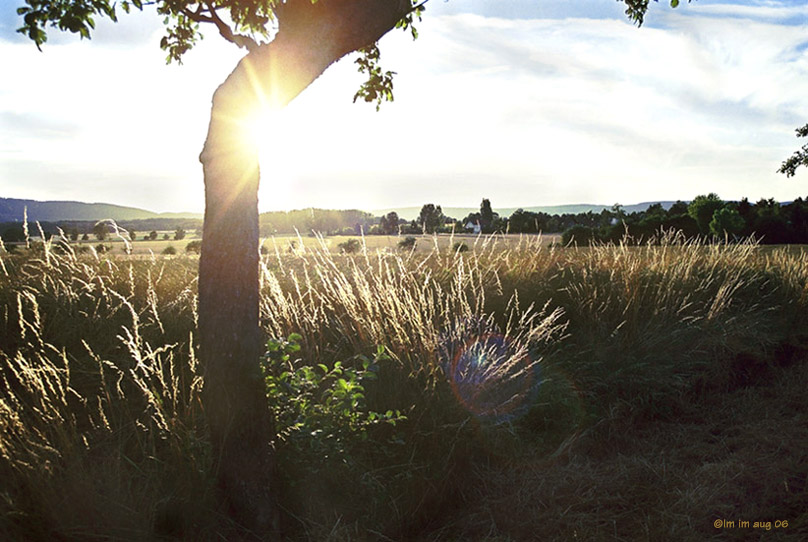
(74, 16)
(182, 18)
(407, 22)
(182, 34)
(636, 9)
(320, 410)
(379, 84)
(378, 87)
(798, 159)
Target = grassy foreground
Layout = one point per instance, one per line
(608, 393)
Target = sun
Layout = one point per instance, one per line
(281, 151)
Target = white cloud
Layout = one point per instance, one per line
(547, 110)
(523, 111)
(779, 11)
(135, 123)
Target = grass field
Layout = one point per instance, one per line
(292, 243)
(545, 393)
(390, 243)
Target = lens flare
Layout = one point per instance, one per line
(491, 375)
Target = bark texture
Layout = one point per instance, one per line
(310, 38)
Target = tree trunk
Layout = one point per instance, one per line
(311, 37)
(229, 336)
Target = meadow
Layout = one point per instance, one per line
(287, 243)
(517, 390)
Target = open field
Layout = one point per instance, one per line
(606, 393)
(292, 243)
(390, 243)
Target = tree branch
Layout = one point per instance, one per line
(419, 6)
(225, 31)
(798, 159)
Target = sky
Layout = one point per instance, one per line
(524, 102)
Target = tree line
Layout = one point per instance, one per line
(146, 230)
(705, 216)
(325, 221)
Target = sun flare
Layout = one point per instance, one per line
(280, 153)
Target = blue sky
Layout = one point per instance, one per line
(525, 102)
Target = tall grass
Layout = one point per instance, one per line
(99, 387)
(638, 318)
(497, 353)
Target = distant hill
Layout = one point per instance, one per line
(411, 213)
(12, 210)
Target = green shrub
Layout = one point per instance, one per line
(579, 235)
(320, 410)
(169, 251)
(351, 246)
(408, 243)
(460, 246)
(326, 436)
(194, 247)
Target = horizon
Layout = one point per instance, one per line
(551, 103)
(384, 209)
(406, 210)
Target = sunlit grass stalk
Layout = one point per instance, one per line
(97, 356)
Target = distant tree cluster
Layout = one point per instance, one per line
(614, 225)
(522, 221)
(324, 221)
(487, 220)
(390, 223)
(431, 219)
(74, 230)
(707, 216)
